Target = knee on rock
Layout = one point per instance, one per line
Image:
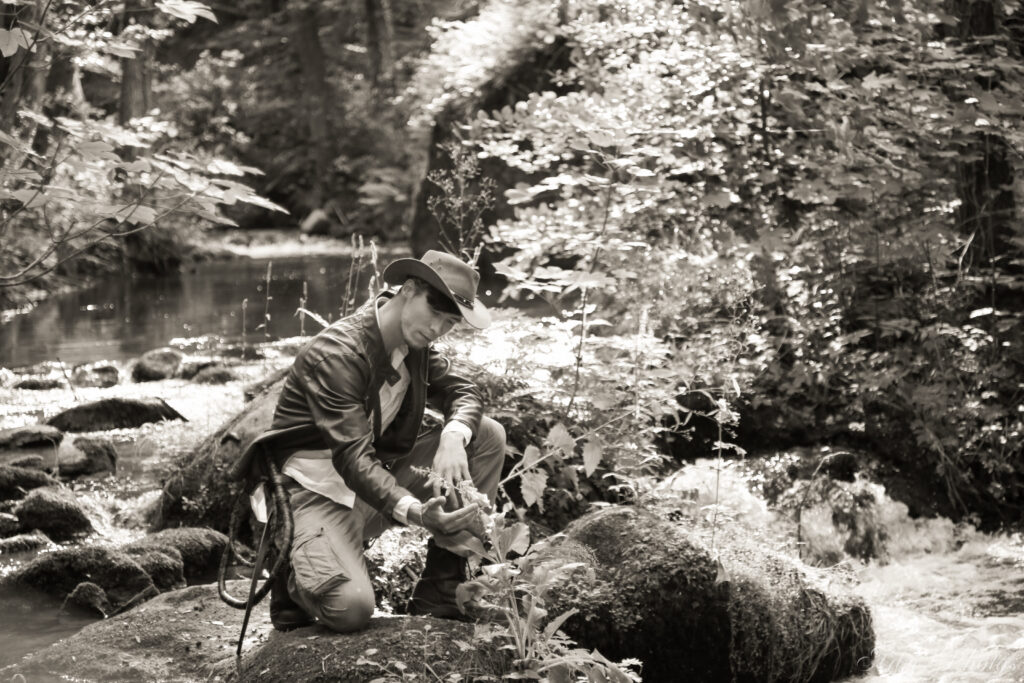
(347, 609)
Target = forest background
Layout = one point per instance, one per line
(764, 222)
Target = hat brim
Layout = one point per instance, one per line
(397, 271)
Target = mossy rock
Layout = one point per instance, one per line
(156, 365)
(165, 566)
(176, 636)
(190, 635)
(39, 384)
(91, 598)
(16, 482)
(59, 573)
(23, 543)
(114, 413)
(215, 374)
(655, 592)
(54, 511)
(198, 549)
(31, 436)
(86, 455)
(429, 649)
(29, 462)
(200, 492)
(101, 375)
(9, 525)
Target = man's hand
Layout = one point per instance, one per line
(451, 461)
(432, 516)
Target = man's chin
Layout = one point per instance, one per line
(418, 342)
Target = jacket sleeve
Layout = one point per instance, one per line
(335, 385)
(455, 396)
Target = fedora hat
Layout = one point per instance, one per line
(448, 275)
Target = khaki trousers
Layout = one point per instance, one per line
(328, 577)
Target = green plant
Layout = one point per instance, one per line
(514, 586)
(464, 197)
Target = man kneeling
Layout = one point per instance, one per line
(348, 435)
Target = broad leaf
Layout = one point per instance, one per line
(560, 438)
(530, 456)
(592, 452)
(532, 484)
(11, 40)
(187, 10)
(515, 539)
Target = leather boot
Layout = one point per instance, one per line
(285, 613)
(434, 593)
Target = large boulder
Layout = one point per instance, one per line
(54, 511)
(16, 482)
(649, 588)
(114, 413)
(190, 635)
(157, 364)
(427, 649)
(86, 456)
(200, 493)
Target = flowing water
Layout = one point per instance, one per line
(947, 602)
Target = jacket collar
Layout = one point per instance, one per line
(367, 316)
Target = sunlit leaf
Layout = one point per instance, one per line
(122, 49)
(11, 40)
(97, 150)
(532, 485)
(530, 456)
(186, 9)
(515, 539)
(560, 438)
(592, 452)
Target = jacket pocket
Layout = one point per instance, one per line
(317, 567)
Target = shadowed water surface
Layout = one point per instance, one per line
(120, 318)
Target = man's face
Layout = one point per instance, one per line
(421, 323)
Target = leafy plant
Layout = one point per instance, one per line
(513, 587)
(71, 181)
(465, 195)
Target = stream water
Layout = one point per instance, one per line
(117, 319)
(947, 602)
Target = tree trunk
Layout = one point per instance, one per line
(20, 87)
(318, 100)
(135, 79)
(380, 35)
(24, 84)
(984, 175)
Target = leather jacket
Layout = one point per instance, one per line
(331, 400)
